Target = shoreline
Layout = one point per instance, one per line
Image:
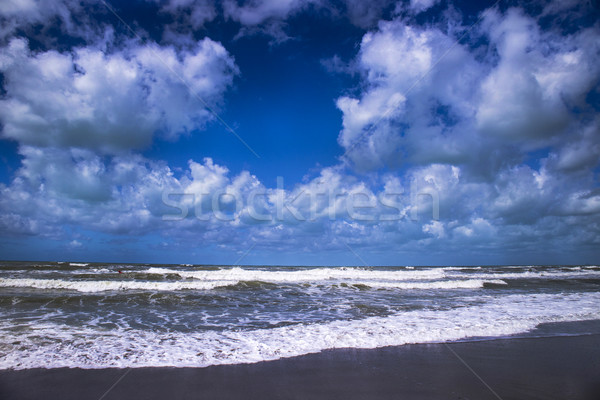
(556, 367)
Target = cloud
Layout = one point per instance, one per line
(410, 96)
(435, 228)
(110, 102)
(428, 99)
(37, 10)
(136, 196)
(271, 17)
(58, 188)
(74, 244)
(530, 92)
(265, 16)
(581, 152)
(70, 189)
(366, 14)
(195, 13)
(259, 11)
(422, 5)
(45, 19)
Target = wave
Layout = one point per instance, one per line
(53, 345)
(304, 275)
(116, 285)
(100, 286)
(363, 274)
(448, 284)
(568, 274)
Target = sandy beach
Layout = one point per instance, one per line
(565, 367)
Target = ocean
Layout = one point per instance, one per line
(99, 315)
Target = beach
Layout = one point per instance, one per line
(565, 367)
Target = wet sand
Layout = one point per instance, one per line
(526, 368)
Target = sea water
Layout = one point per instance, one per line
(97, 315)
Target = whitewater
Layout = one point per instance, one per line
(97, 315)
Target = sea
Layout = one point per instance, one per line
(99, 315)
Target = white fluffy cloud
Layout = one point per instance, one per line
(429, 99)
(539, 78)
(397, 116)
(110, 102)
(434, 208)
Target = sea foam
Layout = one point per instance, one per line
(114, 285)
(54, 345)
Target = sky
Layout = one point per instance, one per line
(300, 132)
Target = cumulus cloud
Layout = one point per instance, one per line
(133, 195)
(409, 98)
(581, 152)
(110, 102)
(51, 194)
(429, 99)
(57, 188)
(540, 77)
(60, 188)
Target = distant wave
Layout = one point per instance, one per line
(573, 273)
(304, 275)
(363, 274)
(100, 286)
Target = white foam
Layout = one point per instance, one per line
(447, 284)
(363, 275)
(78, 264)
(52, 345)
(100, 286)
(305, 275)
(569, 274)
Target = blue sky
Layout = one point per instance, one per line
(425, 132)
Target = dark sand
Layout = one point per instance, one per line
(527, 368)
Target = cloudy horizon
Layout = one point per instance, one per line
(303, 132)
